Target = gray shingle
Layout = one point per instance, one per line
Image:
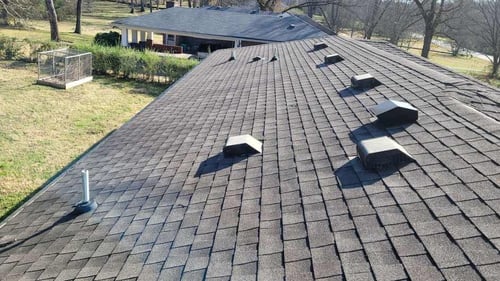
(443, 251)
(280, 214)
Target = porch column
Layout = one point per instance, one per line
(134, 36)
(124, 37)
(143, 35)
(165, 38)
(150, 35)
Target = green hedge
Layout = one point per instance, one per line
(129, 63)
(25, 50)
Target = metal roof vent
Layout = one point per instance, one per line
(233, 56)
(378, 153)
(275, 55)
(364, 81)
(393, 112)
(291, 26)
(241, 145)
(333, 58)
(320, 45)
(257, 58)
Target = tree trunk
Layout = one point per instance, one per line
(496, 64)
(78, 27)
(369, 32)
(429, 33)
(51, 11)
(132, 8)
(142, 6)
(190, 5)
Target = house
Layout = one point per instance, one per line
(173, 206)
(211, 28)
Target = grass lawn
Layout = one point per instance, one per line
(99, 20)
(471, 66)
(43, 129)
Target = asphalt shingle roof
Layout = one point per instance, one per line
(261, 27)
(171, 207)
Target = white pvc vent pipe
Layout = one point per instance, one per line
(85, 186)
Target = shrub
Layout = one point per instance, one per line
(111, 38)
(130, 63)
(9, 48)
(32, 48)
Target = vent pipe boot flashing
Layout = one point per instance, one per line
(364, 81)
(333, 58)
(86, 205)
(257, 58)
(382, 152)
(392, 113)
(320, 45)
(233, 56)
(275, 55)
(242, 145)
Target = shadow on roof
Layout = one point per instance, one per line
(375, 129)
(349, 92)
(321, 65)
(353, 175)
(217, 163)
(6, 246)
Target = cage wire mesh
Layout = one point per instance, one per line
(64, 68)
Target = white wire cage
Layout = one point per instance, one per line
(64, 68)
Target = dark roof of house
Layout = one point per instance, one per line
(239, 9)
(269, 28)
(172, 207)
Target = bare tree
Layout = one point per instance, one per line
(334, 15)
(18, 11)
(369, 13)
(78, 25)
(267, 5)
(399, 18)
(488, 24)
(434, 13)
(458, 30)
(51, 11)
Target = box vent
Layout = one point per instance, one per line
(242, 145)
(391, 113)
(320, 45)
(382, 152)
(257, 58)
(364, 81)
(333, 58)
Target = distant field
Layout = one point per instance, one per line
(471, 66)
(98, 20)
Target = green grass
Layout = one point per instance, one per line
(44, 129)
